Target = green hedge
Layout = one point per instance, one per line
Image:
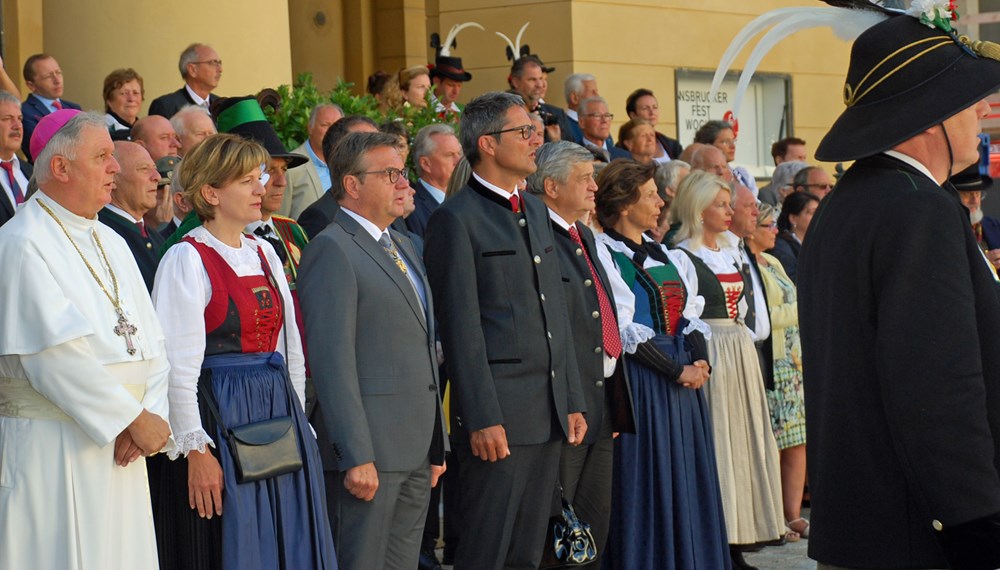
(291, 121)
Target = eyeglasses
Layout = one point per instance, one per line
(601, 116)
(392, 173)
(769, 226)
(823, 186)
(130, 93)
(213, 62)
(728, 142)
(526, 131)
(972, 195)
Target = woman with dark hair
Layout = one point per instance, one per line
(639, 138)
(746, 452)
(642, 104)
(235, 359)
(722, 135)
(384, 87)
(123, 96)
(796, 212)
(666, 509)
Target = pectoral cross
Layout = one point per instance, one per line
(126, 329)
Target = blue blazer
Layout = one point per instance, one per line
(991, 231)
(425, 204)
(33, 110)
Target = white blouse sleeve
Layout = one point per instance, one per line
(695, 302)
(294, 357)
(632, 333)
(180, 294)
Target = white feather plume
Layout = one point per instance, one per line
(515, 46)
(519, 34)
(847, 24)
(453, 33)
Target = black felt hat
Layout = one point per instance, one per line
(243, 116)
(449, 67)
(905, 77)
(970, 180)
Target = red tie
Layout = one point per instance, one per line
(15, 188)
(142, 228)
(515, 203)
(609, 325)
(57, 105)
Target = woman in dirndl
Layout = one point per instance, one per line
(227, 315)
(745, 449)
(666, 511)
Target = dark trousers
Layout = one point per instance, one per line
(585, 475)
(505, 506)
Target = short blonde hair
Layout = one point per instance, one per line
(217, 161)
(694, 194)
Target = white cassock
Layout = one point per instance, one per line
(68, 387)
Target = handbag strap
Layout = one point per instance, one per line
(206, 390)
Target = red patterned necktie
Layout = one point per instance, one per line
(57, 104)
(609, 325)
(15, 188)
(142, 228)
(515, 203)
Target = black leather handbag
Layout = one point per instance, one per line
(261, 450)
(568, 541)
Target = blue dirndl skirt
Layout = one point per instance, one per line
(666, 508)
(279, 522)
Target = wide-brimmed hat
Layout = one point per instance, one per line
(971, 179)
(450, 68)
(243, 116)
(905, 77)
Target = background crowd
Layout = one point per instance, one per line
(511, 303)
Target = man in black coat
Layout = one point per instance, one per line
(565, 182)
(899, 312)
(134, 195)
(491, 256)
(201, 70)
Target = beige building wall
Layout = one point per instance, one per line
(90, 39)
(640, 43)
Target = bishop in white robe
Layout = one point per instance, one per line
(74, 375)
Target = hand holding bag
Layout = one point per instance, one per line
(568, 541)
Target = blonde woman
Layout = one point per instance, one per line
(231, 337)
(746, 453)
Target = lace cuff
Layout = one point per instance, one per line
(634, 334)
(700, 326)
(191, 441)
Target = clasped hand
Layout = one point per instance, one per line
(694, 375)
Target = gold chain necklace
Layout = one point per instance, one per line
(123, 328)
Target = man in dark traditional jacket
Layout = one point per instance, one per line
(898, 308)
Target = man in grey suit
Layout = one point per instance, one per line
(508, 349)
(308, 182)
(367, 307)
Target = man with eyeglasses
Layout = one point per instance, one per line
(44, 79)
(595, 123)
(201, 70)
(491, 254)
(370, 324)
(814, 180)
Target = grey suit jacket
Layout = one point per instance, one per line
(371, 350)
(304, 186)
(506, 338)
